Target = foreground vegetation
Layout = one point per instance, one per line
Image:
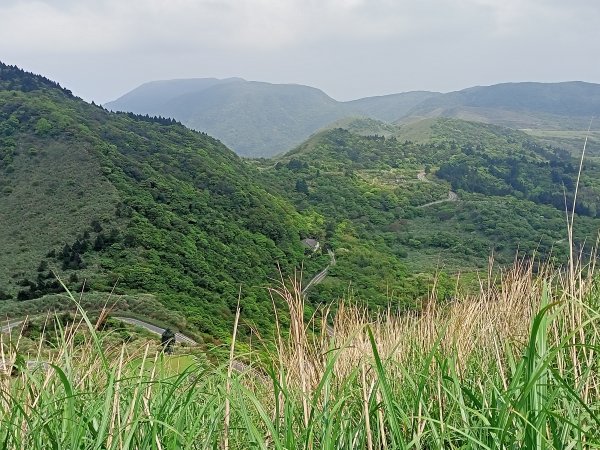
(514, 366)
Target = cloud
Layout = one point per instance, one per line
(114, 25)
(106, 25)
(105, 46)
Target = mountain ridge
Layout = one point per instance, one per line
(264, 119)
(256, 118)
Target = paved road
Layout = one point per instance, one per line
(320, 277)
(452, 197)
(10, 325)
(316, 279)
(148, 326)
(154, 329)
(322, 274)
(5, 366)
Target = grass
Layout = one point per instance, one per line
(54, 194)
(513, 366)
(569, 139)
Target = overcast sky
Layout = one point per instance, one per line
(348, 48)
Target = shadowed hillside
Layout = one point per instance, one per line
(568, 105)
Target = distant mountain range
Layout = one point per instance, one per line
(255, 118)
(263, 119)
(568, 105)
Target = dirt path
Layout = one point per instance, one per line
(421, 176)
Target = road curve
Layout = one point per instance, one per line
(452, 197)
(156, 330)
(148, 326)
(10, 325)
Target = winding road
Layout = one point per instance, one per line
(452, 196)
(322, 274)
(182, 338)
(10, 325)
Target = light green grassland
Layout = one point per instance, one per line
(569, 139)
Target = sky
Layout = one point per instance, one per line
(101, 49)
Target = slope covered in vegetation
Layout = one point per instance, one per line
(398, 211)
(141, 203)
(152, 207)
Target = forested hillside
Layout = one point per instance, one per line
(139, 203)
(398, 211)
(144, 204)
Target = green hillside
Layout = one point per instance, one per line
(151, 207)
(388, 210)
(144, 204)
(569, 139)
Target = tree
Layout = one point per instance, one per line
(301, 186)
(167, 340)
(43, 126)
(96, 226)
(99, 242)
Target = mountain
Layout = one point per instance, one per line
(145, 205)
(256, 118)
(568, 105)
(263, 119)
(141, 204)
(389, 108)
(150, 98)
(397, 211)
